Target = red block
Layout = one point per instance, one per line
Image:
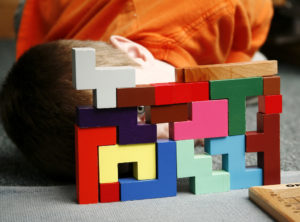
(266, 141)
(109, 192)
(270, 104)
(87, 141)
(174, 93)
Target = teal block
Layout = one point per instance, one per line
(236, 91)
(233, 151)
(199, 169)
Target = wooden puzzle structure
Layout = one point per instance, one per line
(205, 102)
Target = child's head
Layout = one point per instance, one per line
(37, 102)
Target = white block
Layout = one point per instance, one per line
(103, 80)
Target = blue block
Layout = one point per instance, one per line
(233, 151)
(164, 186)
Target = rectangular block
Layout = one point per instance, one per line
(109, 192)
(86, 156)
(271, 85)
(139, 96)
(229, 71)
(209, 119)
(164, 186)
(142, 155)
(270, 104)
(236, 91)
(174, 93)
(167, 113)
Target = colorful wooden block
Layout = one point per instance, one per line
(271, 85)
(129, 132)
(209, 119)
(233, 151)
(164, 186)
(199, 169)
(143, 95)
(103, 80)
(109, 192)
(227, 71)
(86, 156)
(167, 113)
(236, 91)
(270, 104)
(142, 155)
(174, 93)
(138, 133)
(266, 141)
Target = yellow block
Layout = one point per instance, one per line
(142, 155)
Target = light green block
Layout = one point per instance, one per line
(199, 169)
(219, 181)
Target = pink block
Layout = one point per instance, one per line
(209, 119)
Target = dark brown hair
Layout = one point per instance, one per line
(37, 102)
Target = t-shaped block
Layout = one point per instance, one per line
(103, 80)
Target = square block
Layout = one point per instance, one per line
(109, 192)
(270, 104)
(271, 85)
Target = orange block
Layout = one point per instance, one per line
(87, 141)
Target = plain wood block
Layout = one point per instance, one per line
(129, 131)
(270, 104)
(167, 113)
(199, 169)
(266, 142)
(271, 85)
(236, 91)
(166, 183)
(109, 192)
(230, 71)
(142, 155)
(209, 119)
(179, 75)
(174, 93)
(232, 149)
(138, 96)
(86, 156)
(103, 80)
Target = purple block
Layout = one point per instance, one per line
(88, 116)
(129, 132)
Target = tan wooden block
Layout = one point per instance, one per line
(230, 71)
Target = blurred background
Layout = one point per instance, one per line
(282, 44)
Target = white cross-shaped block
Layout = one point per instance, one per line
(103, 80)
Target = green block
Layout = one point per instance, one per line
(218, 182)
(236, 91)
(199, 169)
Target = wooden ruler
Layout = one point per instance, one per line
(282, 201)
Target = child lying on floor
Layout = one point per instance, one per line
(37, 98)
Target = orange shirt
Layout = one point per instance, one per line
(180, 32)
